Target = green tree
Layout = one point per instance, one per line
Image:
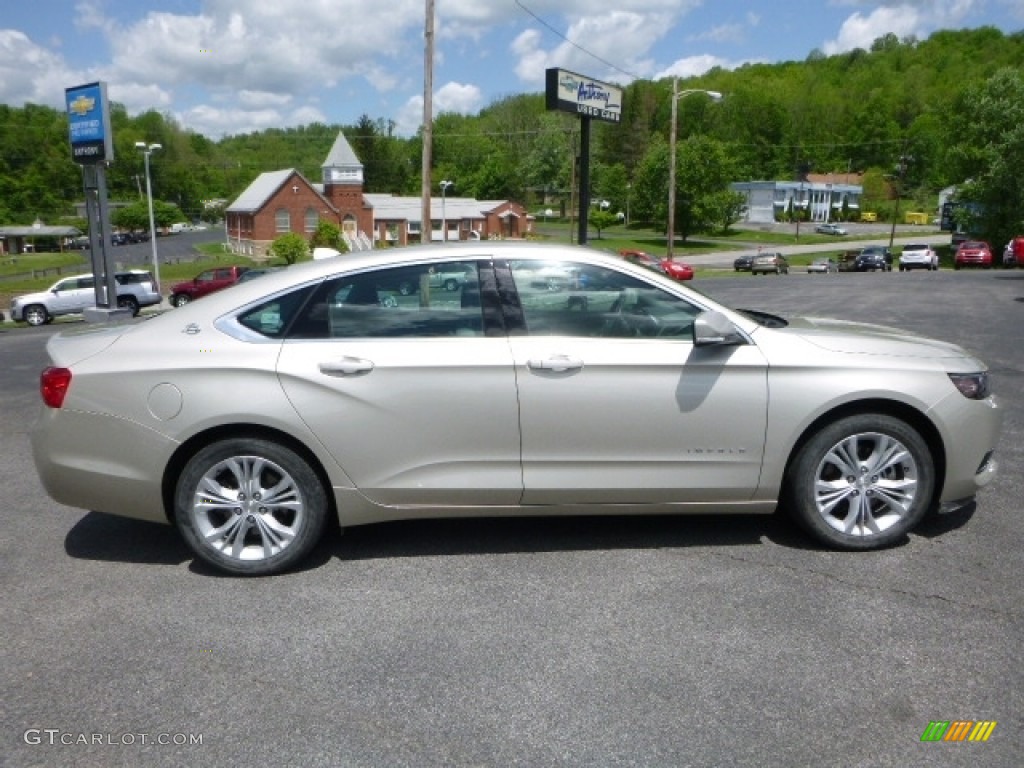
(602, 219)
(987, 149)
(134, 216)
(290, 248)
(328, 235)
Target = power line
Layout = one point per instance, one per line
(575, 45)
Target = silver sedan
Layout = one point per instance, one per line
(253, 418)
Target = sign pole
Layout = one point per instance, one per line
(589, 99)
(92, 147)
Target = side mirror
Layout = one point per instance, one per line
(713, 329)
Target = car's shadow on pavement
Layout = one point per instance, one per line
(477, 536)
(120, 539)
(104, 537)
(109, 538)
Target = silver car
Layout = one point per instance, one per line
(252, 418)
(72, 295)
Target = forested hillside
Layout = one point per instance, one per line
(951, 106)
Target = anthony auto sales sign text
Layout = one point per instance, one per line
(568, 92)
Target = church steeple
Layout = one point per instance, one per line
(342, 167)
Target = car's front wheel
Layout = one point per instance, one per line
(180, 299)
(36, 315)
(249, 506)
(861, 482)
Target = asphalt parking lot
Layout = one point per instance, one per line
(582, 642)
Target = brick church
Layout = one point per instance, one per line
(278, 202)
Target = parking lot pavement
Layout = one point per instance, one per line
(861, 237)
(575, 642)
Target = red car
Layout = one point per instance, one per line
(674, 269)
(973, 253)
(205, 282)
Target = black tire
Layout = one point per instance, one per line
(129, 302)
(873, 504)
(250, 536)
(406, 288)
(36, 314)
(180, 299)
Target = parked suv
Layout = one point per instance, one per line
(765, 263)
(918, 256)
(211, 280)
(71, 295)
(873, 258)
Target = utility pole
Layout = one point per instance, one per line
(901, 172)
(426, 228)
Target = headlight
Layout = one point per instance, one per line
(973, 386)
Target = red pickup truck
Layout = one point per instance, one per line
(205, 282)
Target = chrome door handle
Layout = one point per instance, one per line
(346, 366)
(555, 363)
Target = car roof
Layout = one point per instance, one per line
(309, 272)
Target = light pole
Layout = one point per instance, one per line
(799, 210)
(444, 218)
(676, 96)
(901, 172)
(147, 150)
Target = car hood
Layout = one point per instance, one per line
(869, 339)
(27, 298)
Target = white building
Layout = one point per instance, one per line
(769, 201)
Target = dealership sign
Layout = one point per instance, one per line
(568, 92)
(89, 124)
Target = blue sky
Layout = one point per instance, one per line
(234, 66)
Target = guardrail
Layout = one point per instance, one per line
(32, 274)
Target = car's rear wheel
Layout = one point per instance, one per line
(451, 284)
(180, 299)
(251, 507)
(36, 314)
(861, 482)
(129, 302)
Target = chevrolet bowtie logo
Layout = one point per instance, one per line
(82, 105)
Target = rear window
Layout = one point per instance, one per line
(134, 278)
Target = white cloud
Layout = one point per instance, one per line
(903, 18)
(458, 97)
(451, 97)
(615, 47)
(692, 66)
(861, 31)
(214, 122)
(30, 73)
(260, 99)
(723, 33)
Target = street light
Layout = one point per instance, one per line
(147, 150)
(799, 210)
(676, 96)
(444, 219)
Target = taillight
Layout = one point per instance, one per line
(53, 386)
